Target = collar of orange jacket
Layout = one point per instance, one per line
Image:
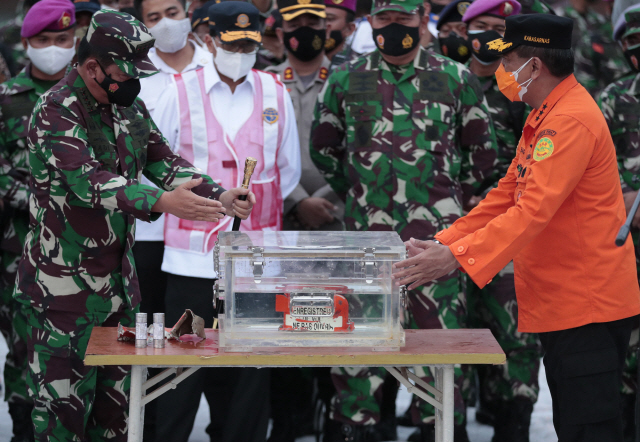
(538, 115)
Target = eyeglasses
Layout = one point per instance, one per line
(244, 47)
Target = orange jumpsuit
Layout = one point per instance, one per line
(556, 213)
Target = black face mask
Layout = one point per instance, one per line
(455, 47)
(335, 39)
(122, 93)
(396, 39)
(479, 47)
(633, 57)
(305, 43)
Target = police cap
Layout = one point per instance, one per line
(235, 21)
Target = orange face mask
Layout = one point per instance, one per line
(508, 83)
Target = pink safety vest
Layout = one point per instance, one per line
(205, 144)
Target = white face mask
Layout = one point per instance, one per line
(171, 35)
(51, 59)
(234, 65)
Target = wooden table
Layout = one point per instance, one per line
(439, 349)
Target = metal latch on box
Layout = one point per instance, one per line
(257, 262)
(404, 302)
(369, 264)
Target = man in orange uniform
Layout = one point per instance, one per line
(556, 214)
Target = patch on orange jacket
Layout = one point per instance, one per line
(544, 149)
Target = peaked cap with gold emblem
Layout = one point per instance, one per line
(290, 9)
(453, 12)
(493, 8)
(235, 21)
(537, 30)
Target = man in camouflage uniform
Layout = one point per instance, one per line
(90, 140)
(598, 58)
(405, 137)
(620, 104)
(506, 392)
(47, 27)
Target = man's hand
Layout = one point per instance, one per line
(427, 261)
(236, 207)
(185, 204)
(629, 198)
(314, 212)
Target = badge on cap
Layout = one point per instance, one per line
(462, 7)
(380, 41)
(498, 45)
(64, 21)
(270, 115)
(243, 21)
(304, 2)
(407, 42)
(506, 9)
(337, 2)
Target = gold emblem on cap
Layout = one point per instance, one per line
(243, 21)
(407, 42)
(498, 45)
(507, 8)
(304, 2)
(337, 2)
(462, 7)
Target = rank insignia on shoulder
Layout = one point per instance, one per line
(324, 73)
(270, 115)
(288, 74)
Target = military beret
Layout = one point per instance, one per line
(494, 8)
(235, 21)
(290, 9)
(347, 5)
(453, 12)
(408, 6)
(49, 16)
(86, 6)
(537, 30)
(632, 20)
(126, 40)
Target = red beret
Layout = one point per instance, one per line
(48, 15)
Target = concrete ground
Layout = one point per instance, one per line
(541, 425)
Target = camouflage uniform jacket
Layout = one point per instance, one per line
(508, 121)
(10, 37)
(598, 58)
(405, 146)
(86, 161)
(620, 104)
(18, 97)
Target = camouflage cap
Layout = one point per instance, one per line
(408, 6)
(632, 19)
(126, 40)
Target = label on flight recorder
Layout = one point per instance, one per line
(314, 324)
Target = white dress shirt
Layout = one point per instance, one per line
(149, 93)
(232, 110)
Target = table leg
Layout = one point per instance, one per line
(136, 409)
(437, 381)
(447, 403)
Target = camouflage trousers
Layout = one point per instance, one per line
(630, 370)
(358, 396)
(74, 402)
(13, 325)
(495, 307)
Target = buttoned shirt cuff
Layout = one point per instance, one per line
(470, 262)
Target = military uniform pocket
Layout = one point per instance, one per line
(591, 384)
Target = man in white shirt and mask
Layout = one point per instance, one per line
(218, 116)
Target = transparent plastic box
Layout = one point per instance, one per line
(309, 289)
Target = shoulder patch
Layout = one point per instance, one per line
(544, 149)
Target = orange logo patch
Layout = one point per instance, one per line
(113, 87)
(243, 21)
(288, 74)
(475, 44)
(380, 41)
(324, 73)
